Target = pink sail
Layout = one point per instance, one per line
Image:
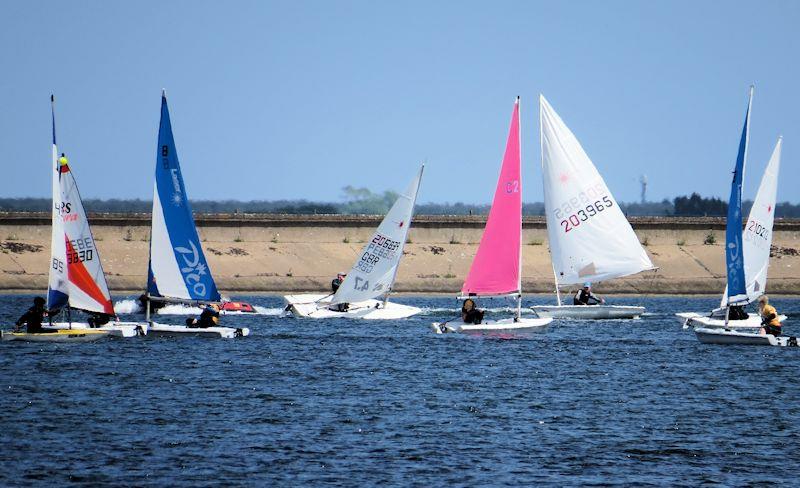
(496, 267)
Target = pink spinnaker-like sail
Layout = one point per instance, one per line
(496, 267)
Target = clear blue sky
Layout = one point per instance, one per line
(295, 99)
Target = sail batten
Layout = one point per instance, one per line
(496, 268)
(178, 266)
(590, 238)
(374, 271)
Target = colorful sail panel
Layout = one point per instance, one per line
(758, 230)
(496, 267)
(734, 257)
(373, 273)
(88, 289)
(590, 238)
(57, 288)
(178, 266)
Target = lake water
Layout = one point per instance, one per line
(303, 402)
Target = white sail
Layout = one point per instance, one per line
(374, 272)
(58, 289)
(88, 289)
(757, 233)
(590, 238)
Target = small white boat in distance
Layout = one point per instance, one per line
(717, 335)
(754, 244)
(590, 238)
(496, 270)
(372, 275)
(73, 335)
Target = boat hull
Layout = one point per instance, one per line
(114, 329)
(306, 306)
(588, 312)
(167, 330)
(79, 335)
(695, 320)
(492, 326)
(733, 337)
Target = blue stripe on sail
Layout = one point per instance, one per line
(734, 259)
(178, 216)
(56, 299)
(152, 288)
(53, 115)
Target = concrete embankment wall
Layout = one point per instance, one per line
(272, 253)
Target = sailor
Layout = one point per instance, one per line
(98, 319)
(737, 312)
(209, 317)
(470, 313)
(769, 317)
(586, 297)
(335, 284)
(32, 319)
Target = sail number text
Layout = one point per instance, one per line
(81, 250)
(755, 229)
(380, 247)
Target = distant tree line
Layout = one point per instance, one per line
(363, 201)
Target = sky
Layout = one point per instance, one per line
(297, 99)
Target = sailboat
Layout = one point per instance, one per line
(496, 270)
(590, 238)
(76, 280)
(372, 275)
(178, 271)
(746, 256)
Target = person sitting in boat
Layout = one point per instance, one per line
(98, 319)
(586, 297)
(32, 319)
(335, 284)
(470, 313)
(769, 317)
(209, 317)
(737, 312)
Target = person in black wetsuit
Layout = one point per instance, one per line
(335, 284)
(586, 297)
(97, 319)
(470, 313)
(209, 317)
(32, 319)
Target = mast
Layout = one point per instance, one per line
(519, 286)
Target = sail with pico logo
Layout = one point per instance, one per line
(178, 266)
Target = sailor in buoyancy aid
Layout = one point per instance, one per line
(335, 284)
(32, 319)
(769, 318)
(209, 317)
(470, 313)
(586, 297)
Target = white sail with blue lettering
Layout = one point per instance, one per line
(58, 283)
(178, 266)
(734, 257)
(374, 272)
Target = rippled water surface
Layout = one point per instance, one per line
(367, 403)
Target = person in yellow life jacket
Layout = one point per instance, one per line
(769, 317)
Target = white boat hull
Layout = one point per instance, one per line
(166, 330)
(58, 336)
(492, 326)
(723, 336)
(114, 329)
(588, 312)
(692, 319)
(309, 306)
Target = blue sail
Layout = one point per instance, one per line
(734, 259)
(178, 266)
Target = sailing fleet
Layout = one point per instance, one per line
(590, 240)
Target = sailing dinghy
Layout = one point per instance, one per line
(373, 273)
(496, 270)
(590, 238)
(77, 280)
(740, 291)
(178, 270)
